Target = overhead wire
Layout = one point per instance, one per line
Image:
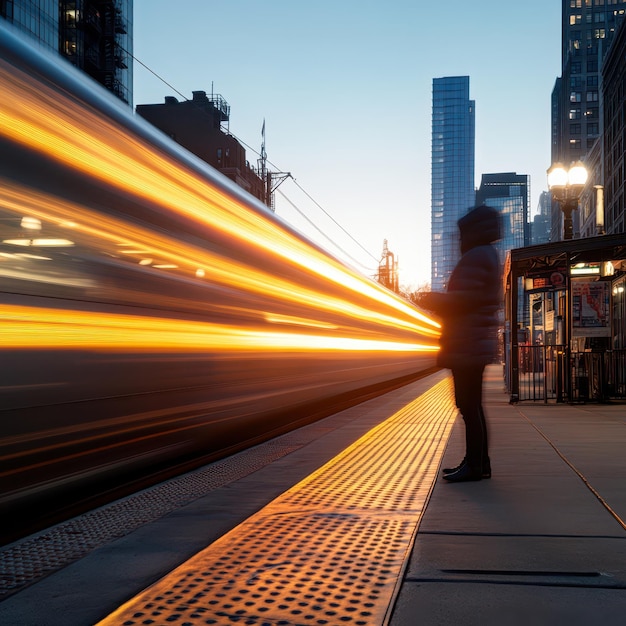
(295, 182)
(291, 203)
(320, 231)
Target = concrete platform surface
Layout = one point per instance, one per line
(543, 541)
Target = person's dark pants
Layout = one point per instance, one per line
(468, 391)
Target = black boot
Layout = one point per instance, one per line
(464, 474)
(486, 468)
(451, 470)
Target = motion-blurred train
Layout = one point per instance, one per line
(150, 309)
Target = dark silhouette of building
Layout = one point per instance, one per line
(94, 35)
(540, 226)
(196, 125)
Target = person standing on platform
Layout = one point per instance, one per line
(468, 310)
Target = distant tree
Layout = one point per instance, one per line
(412, 292)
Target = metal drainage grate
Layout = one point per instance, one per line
(329, 551)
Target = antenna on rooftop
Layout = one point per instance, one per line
(271, 180)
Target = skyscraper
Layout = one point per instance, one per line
(94, 35)
(588, 27)
(508, 192)
(452, 172)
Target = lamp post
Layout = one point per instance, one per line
(566, 187)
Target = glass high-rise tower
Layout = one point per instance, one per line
(508, 192)
(452, 172)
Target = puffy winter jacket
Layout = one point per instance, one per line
(468, 309)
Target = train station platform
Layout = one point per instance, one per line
(347, 521)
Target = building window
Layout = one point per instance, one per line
(592, 96)
(576, 68)
(574, 129)
(575, 96)
(593, 128)
(592, 66)
(574, 114)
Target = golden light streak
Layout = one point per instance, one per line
(220, 269)
(43, 243)
(274, 318)
(68, 281)
(54, 124)
(40, 328)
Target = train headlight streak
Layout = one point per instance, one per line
(68, 134)
(45, 328)
(274, 318)
(220, 269)
(150, 309)
(49, 243)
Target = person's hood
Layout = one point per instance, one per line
(480, 227)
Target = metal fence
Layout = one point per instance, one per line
(554, 373)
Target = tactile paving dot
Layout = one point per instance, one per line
(33, 558)
(329, 551)
(318, 579)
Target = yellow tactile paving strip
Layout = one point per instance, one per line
(331, 550)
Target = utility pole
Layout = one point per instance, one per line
(271, 180)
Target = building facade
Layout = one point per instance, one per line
(196, 125)
(613, 145)
(452, 171)
(588, 27)
(93, 35)
(508, 192)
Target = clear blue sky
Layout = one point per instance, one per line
(345, 88)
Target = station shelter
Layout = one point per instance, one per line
(564, 330)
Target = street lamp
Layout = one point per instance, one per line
(566, 187)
